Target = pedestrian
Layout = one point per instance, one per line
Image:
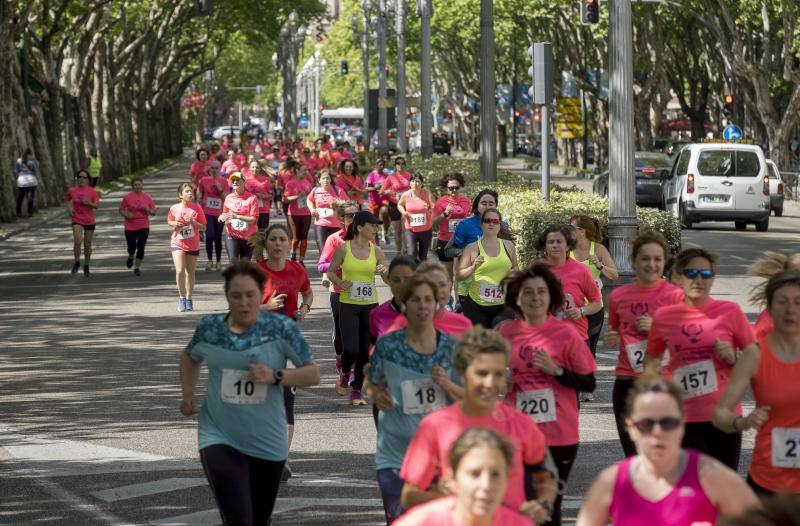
(187, 221)
(481, 359)
(396, 184)
(409, 375)
(448, 211)
(379, 201)
(299, 215)
(82, 201)
(485, 264)
(550, 364)
(771, 371)
(664, 484)
(240, 216)
(703, 336)
(95, 168)
(242, 423)
(631, 308)
(137, 207)
(320, 204)
(415, 207)
(349, 179)
(230, 165)
(260, 185)
(211, 193)
(480, 461)
(25, 167)
(768, 265)
(359, 261)
(199, 168)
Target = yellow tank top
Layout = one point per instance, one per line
(485, 288)
(362, 273)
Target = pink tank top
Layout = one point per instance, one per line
(686, 505)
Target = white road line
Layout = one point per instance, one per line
(143, 489)
(200, 518)
(77, 503)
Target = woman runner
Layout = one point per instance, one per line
(299, 215)
(187, 221)
(415, 206)
(320, 203)
(212, 190)
(448, 211)
(82, 201)
(137, 207)
(240, 215)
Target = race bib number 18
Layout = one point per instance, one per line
(785, 447)
(422, 396)
(697, 379)
(539, 404)
(238, 388)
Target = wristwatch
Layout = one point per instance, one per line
(548, 507)
(306, 305)
(559, 371)
(583, 311)
(277, 374)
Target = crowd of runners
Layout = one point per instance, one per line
(477, 364)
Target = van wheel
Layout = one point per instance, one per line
(683, 217)
(762, 226)
(740, 225)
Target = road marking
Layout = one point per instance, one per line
(77, 503)
(201, 518)
(143, 489)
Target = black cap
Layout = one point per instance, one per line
(364, 217)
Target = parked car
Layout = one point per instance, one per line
(650, 170)
(775, 189)
(442, 143)
(391, 140)
(719, 182)
(222, 131)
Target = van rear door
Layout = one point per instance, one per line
(748, 180)
(716, 168)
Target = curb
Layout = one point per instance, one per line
(56, 212)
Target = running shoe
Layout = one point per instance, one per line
(287, 473)
(76, 267)
(339, 365)
(342, 384)
(181, 304)
(86, 271)
(129, 262)
(356, 398)
(587, 397)
(189, 305)
(137, 272)
(210, 266)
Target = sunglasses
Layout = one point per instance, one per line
(646, 425)
(454, 188)
(692, 273)
(491, 221)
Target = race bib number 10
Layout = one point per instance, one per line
(238, 388)
(422, 396)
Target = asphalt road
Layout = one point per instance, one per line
(90, 431)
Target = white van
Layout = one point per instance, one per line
(719, 182)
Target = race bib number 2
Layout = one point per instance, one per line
(539, 404)
(697, 379)
(785, 447)
(636, 354)
(238, 388)
(422, 396)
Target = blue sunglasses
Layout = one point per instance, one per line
(692, 273)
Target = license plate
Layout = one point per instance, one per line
(648, 181)
(715, 198)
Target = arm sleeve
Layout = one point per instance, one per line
(584, 383)
(533, 448)
(438, 209)
(201, 216)
(305, 286)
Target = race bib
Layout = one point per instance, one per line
(785, 447)
(422, 396)
(238, 225)
(301, 202)
(417, 220)
(238, 388)
(490, 293)
(569, 302)
(186, 232)
(636, 353)
(362, 291)
(539, 404)
(452, 224)
(697, 379)
(324, 212)
(214, 203)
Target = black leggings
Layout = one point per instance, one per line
(337, 331)
(213, 237)
(263, 221)
(299, 226)
(595, 327)
(619, 397)
(564, 458)
(30, 192)
(705, 438)
(354, 321)
(418, 243)
(288, 404)
(137, 239)
(237, 248)
(479, 314)
(323, 233)
(244, 487)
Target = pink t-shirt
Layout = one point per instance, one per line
(186, 238)
(382, 319)
(627, 303)
(211, 189)
(244, 205)
(229, 167)
(298, 207)
(260, 185)
(451, 323)
(198, 170)
(322, 200)
(462, 207)
(139, 204)
(547, 401)
(428, 452)
(579, 290)
(397, 183)
(763, 325)
(333, 242)
(418, 218)
(82, 214)
(352, 185)
(441, 512)
(689, 333)
(376, 180)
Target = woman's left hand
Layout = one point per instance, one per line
(261, 374)
(380, 269)
(301, 313)
(573, 313)
(534, 511)
(725, 352)
(438, 375)
(543, 361)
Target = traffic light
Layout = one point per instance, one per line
(516, 115)
(537, 117)
(449, 112)
(344, 67)
(590, 11)
(728, 99)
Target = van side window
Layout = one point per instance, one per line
(747, 164)
(682, 164)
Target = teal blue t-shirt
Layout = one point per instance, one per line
(408, 379)
(236, 411)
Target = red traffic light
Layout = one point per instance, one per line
(728, 99)
(537, 117)
(516, 115)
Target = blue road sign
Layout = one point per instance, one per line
(732, 133)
